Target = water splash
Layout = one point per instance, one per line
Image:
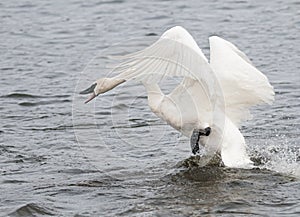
(279, 155)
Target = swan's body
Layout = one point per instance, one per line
(217, 95)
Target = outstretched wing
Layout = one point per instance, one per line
(243, 85)
(175, 54)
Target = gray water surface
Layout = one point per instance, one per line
(113, 157)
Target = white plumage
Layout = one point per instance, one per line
(217, 94)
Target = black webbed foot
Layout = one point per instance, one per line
(207, 131)
(194, 141)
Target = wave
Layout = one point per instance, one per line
(32, 209)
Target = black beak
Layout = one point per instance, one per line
(88, 90)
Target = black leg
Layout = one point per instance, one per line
(194, 141)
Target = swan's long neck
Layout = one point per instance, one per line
(153, 88)
(163, 106)
(155, 97)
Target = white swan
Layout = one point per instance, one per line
(213, 97)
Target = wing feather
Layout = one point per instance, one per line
(242, 84)
(174, 54)
(177, 54)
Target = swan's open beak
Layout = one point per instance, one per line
(89, 90)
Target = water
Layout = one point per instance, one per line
(119, 159)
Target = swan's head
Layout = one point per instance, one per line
(102, 85)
